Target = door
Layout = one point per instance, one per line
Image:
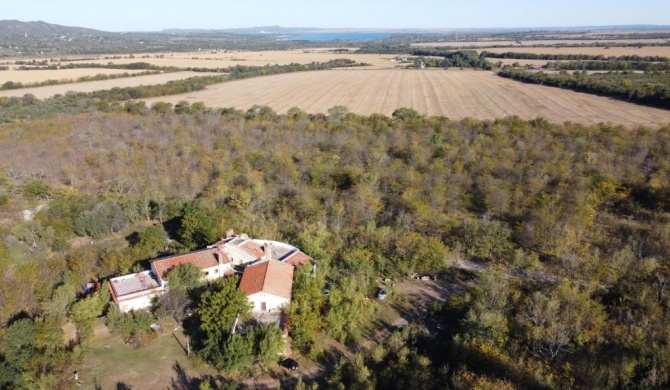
(263, 306)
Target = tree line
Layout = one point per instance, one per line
(573, 57)
(610, 65)
(648, 89)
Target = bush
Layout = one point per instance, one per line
(133, 327)
(37, 189)
(106, 217)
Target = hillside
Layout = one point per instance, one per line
(9, 28)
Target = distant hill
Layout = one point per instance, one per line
(10, 28)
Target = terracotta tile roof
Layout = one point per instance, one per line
(204, 258)
(298, 259)
(270, 276)
(253, 249)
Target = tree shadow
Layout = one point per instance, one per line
(123, 386)
(181, 380)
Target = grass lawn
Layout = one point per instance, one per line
(162, 364)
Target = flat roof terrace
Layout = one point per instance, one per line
(133, 283)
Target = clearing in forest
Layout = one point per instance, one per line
(453, 93)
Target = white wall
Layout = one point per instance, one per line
(139, 303)
(214, 273)
(272, 302)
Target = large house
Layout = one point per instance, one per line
(266, 267)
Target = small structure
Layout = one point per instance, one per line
(268, 285)
(135, 291)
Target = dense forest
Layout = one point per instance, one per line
(651, 89)
(571, 223)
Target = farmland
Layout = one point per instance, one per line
(36, 76)
(91, 86)
(455, 94)
(222, 59)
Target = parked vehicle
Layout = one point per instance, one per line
(289, 363)
(381, 294)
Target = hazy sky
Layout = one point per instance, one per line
(138, 15)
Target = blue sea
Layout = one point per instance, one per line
(340, 36)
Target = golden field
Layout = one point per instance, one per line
(91, 86)
(36, 76)
(453, 93)
(222, 59)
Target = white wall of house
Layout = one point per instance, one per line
(272, 302)
(142, 302)
(213, 273)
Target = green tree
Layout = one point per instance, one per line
(105, 218)
(184, 277)
(86, 310)
(269, 344)
(219, 308)
(197, 227)
(151, 241)
(304, 311)
(59, 304)
(418, 253)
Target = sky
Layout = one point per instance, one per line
(139, 15)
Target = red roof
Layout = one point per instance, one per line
(204, 258)
(298, 259)
(269, 276)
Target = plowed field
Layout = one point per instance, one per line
(452, 93)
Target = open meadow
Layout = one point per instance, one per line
(453, 93)
(92, 86)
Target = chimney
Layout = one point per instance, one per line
(230, 233)
(267, 250)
